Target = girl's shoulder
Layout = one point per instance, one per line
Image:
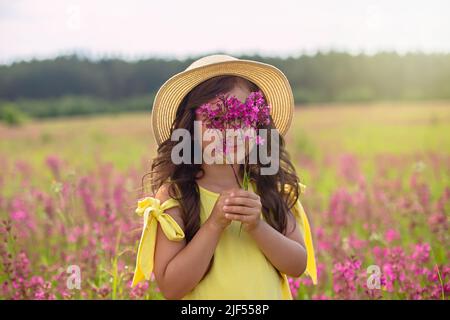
(163, 192)
(167, 192)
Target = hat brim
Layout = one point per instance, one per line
(272, 82)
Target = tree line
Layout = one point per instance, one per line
(77, 85)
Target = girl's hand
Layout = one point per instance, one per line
(217, 217)
(243, 206)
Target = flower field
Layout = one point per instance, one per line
(378, 198)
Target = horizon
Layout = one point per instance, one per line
(86, 57)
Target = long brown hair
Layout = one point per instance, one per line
(276, 203)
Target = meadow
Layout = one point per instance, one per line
(378, 198)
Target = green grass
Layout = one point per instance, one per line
(399, 139)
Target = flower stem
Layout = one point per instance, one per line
(245, 183)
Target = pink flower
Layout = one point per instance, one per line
(391, 235)
(18, 215)
(421, 253)
(139, 290)
(349, 167)
(54, 163)
(294, 284)
(346, 278)
(320, 297)
(230, 113)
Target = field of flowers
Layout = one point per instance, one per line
(378, 197)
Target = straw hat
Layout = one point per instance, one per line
(272, 82)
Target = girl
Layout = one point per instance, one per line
(191, 238)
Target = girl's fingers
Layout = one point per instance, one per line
(245, 194)
(238, 217)
(242, 202)
(240, 210)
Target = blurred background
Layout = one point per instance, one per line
(370, 136)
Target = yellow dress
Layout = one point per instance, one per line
(240, 271)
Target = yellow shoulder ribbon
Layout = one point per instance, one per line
(303, 222)
(153, 212)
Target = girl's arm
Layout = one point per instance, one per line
(291, 258)
(286, 252)
(178, 267)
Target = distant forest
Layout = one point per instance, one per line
(76, 85)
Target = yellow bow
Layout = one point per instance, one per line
(153, 212)
(302, 220)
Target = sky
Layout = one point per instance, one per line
(136, 29)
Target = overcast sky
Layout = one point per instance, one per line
(134, 29)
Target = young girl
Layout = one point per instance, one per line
(192, 239)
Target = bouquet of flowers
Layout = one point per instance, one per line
(230, 113)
